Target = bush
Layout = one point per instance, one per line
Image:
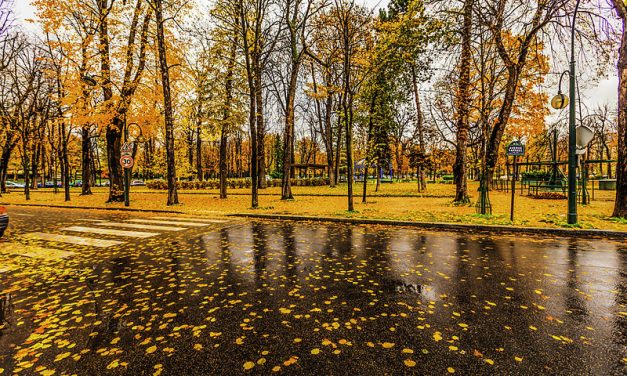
(536, 175)
(447, 177)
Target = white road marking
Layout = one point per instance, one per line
(36, 252)
(77, 240)
(91, 220)
(192, 219)
(105, 231)
(188, 224)
(141, 227)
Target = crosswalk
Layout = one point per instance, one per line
(89, 233)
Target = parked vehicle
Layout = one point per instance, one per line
(77, 183)
(138, 183)
(13, 184)
(50, 184)
(4, 220)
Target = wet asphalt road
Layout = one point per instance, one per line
(296, 298)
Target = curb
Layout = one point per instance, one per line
(96, 208)
(445, 226)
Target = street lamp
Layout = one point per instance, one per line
(559, 102)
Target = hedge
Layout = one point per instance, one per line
(232, 183)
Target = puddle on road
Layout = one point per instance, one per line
(314, 298)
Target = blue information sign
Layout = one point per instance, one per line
(516, 148)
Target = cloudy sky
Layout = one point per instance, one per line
(597, 93)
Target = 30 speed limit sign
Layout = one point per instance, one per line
(127, 161)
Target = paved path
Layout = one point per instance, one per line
(123, 293)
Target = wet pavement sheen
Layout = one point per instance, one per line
(301, 298)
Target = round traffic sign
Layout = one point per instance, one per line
(127, 161)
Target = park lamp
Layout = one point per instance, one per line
(583, 136)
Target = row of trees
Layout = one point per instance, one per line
(408, 84)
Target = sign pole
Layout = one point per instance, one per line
(511, 214)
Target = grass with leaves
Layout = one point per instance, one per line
(396, 201)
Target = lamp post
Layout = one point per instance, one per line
(137, 135)
(559, 102)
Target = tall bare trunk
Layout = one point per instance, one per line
(173, 198)
(226, 117)
(288, 140)
(463, 107)
(86, 161)
(422, 184)
(620, 204)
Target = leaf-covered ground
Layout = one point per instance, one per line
(266, 297)
(398, 201)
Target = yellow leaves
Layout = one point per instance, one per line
(518, 359)
(62, 356)
(249, 365)
(407, 351)
(115, 340)
(326, 342)
(450, 370)
(215, 334)
(315, 351)
(285, 311)
(197, 347)
(387, 345)
(158, 369)
(46, 372)
(113, 364)
(169, 315)
(489, 361)
(463, 325)
(290, 361)
(539, 292)
(409, 363)
(453, 348)
(276, 368)
(297, 340)
(532, 327)
(151, 349)
(437, 336)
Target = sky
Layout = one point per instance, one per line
(605, 91)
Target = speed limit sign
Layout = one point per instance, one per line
(127, 161)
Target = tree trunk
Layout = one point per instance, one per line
(65, 161)
(114, 143)
(5, 158)
(26, 168)
(199, 174)
(329, 140)
(288, 140)
(261, 130)
(463, 104)
(620, 204)
(338, 150)
(86, 161)
(173, 198)
(422, 184)
(226, 117)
